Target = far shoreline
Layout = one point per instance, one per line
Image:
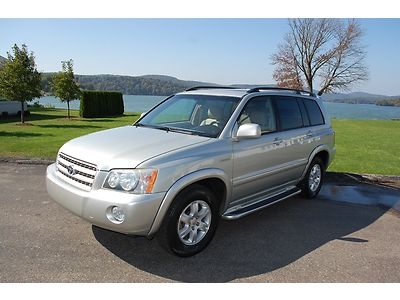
(336, 110)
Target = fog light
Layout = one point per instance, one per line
(118, 214)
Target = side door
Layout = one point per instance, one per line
(277, 159)
(296, 136)
(256, 161)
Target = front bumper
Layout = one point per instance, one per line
(140, 210)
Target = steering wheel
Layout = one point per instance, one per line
(209, 129)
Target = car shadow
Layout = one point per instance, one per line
(260, 243)
(110, 118)
(65, 126)
(21, 134)
(34, 116)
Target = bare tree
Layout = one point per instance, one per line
(287, 72)
(323, 51)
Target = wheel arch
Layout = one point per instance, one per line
(214, 179)
(324, 155)
(321, 151)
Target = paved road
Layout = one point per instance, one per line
(294, 241)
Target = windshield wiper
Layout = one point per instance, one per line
(173, 129)
(152, 126)
(189, 131)
(181, 130)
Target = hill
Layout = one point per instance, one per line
(130, 85)
(357, 98)
(174, 80)
(157, 85)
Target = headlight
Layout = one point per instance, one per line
(128, 181)
(113, 179)
(139, 181)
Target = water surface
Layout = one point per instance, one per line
(139, 103)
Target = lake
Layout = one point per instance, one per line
(138, 103)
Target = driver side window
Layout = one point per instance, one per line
(259, 110)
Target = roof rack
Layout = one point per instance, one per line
(209, 87)
(260, 88)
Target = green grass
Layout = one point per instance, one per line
(367, 146)
(47, 130)
(362, 146)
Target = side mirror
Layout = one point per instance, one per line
(249, 131)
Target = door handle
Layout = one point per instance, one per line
(309, 134)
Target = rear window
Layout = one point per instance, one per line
(314, 112)
(289, 113)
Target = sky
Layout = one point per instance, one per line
(223, 51)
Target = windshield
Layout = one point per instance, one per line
(191, 114)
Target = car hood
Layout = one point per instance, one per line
(126, 147)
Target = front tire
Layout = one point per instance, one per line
(312, 181)
(190, 222)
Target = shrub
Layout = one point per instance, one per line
(96, 104)
(36, 105)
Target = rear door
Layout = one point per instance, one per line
(316, 129)
(296, 136)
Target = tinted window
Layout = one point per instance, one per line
(289, 113)
(304, 115)
(259, 110)
(314, 112)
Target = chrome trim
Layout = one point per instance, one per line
(82, 175)
(234, 217)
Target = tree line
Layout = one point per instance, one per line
(127, 85)
(377, 101)
(389, 102)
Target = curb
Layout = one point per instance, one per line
(344, 178)
(27, 161)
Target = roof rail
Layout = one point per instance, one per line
(209, 87)
(260, 88)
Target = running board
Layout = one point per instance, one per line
(244, 211)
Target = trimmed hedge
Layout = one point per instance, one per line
(97, 104)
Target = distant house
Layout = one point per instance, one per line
(8, 108)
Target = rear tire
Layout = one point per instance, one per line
(190, 223)
(312, 181)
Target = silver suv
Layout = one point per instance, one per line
(198, 156)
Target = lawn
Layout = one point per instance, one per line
(367, 146)
(363, 146)
(48, 129)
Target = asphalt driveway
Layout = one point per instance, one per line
(293, 241)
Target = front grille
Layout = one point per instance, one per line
(75, 171)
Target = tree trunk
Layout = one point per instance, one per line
(68, 108)
(22, 113)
